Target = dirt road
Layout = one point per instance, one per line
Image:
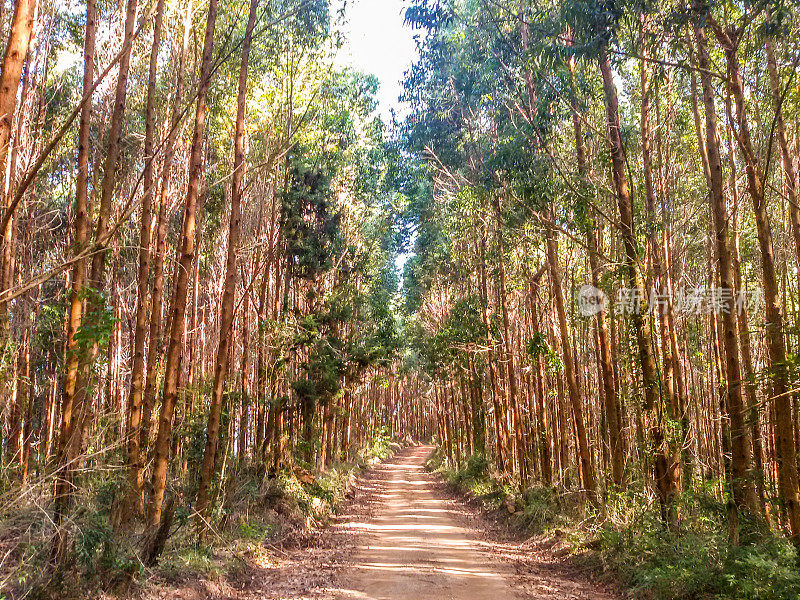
(401, 536)
(414, 548)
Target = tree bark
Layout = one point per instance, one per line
(513, 394)
(668, 460)
(157, 298)
(186, 258)
(500, 424)
(739, 438)
(135, 503)
(229, 289)
(95, 304)
(610, 400)
(575, 397)
(64, 461)
(650, 378)
(785, 442)
(17, 49)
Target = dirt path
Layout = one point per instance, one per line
(401, 536)
(414, 548)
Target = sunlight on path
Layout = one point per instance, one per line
(416, 550)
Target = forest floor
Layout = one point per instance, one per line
(401, 535)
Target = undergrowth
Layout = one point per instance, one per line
(252, 514)
(629, 541)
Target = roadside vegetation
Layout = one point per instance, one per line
(254, 520)
(628, 543)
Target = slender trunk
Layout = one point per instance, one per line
(650, 379)
(739, 438)
(610, 400)
(17, 49)
(95, 302)
(575, 397)
(64, 461)
(776, 346)
(500, 424)
(229, 289)
(244, 421)
(157, 297)
(541, 416)
(186, 257)
(135, 504)
(744, 326)
(668, 460)
(511, 375)
(787, 164)
(261, 370)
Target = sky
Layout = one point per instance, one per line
(379, 44)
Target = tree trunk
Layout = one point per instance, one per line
(670, 455)
(789, 173)
(17, 49)
(784, 426)
(95, 303)
(539, 378)
(500, 424)
(575, 397)
(513, 394)
(650, 379)
(229, 289)
(186, 258)
(135, 503)
(739, 438)
(157, 298)
(610, 401)
(64, 461)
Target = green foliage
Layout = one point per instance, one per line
(537, 347)
(322, 374)
(50, 324)
(542, 510)
(97, 324)
(192, 559)
(94, 537)
(453, 343)
(473, 476)
(628, 539)
(309, 223)
(254, 531)
(697, 561)
(476, 466)
(380, 448)
(317, 497)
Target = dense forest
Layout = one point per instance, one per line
(573, 265)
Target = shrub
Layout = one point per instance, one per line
(697, 561)
(629, 539)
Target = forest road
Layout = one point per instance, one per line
(413, 548)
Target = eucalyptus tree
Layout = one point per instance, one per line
(16, 51)
(75, 310)
(229, 285)
(730, 34)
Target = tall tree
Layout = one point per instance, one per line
(16, 51)
(229, 286)
(65, 464)
(185, 261)
(742, 484)
(651, 382)
(729, 39)
(135, 502)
